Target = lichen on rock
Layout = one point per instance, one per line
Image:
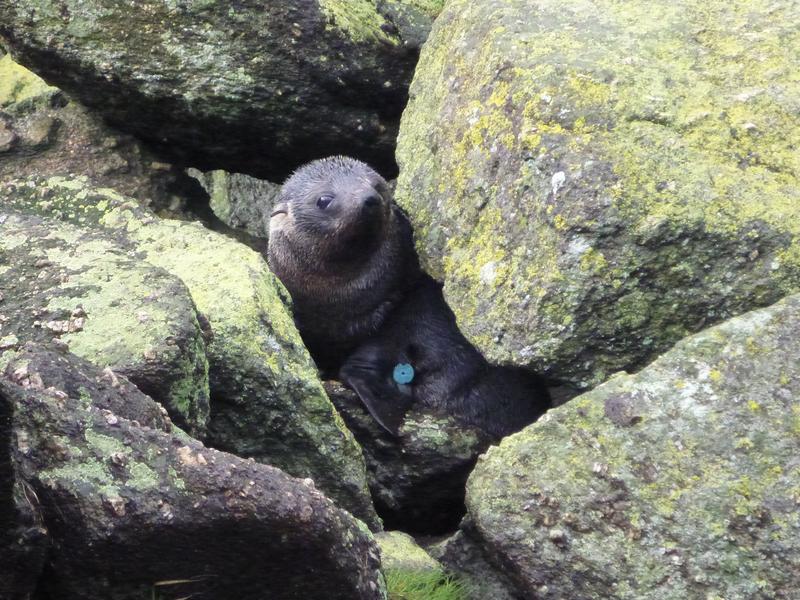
(679, 481)
(267, 400)
(594, 182)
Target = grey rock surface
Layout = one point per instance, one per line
(247, 87)
(678, 482)
(594, 181)
(132, 511)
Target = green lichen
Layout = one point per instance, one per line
(700, 472)
(644, 169)
(358, 19)
(399, 551)
(20, 87)
(277, 409)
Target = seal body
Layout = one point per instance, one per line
(449, 375)
(366, 311)
(345, 253)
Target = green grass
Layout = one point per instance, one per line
(424, 585)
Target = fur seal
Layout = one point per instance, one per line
(363, 306)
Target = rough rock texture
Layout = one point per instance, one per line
(461, 556)
(400, 551)
(53, 366)
(64, 282)
(251, 87)
(594, 181)
(682, 481)
(240, 201)
(43, 132)
(417, 480)
(134, 512)
(267, 402)
(22, 534)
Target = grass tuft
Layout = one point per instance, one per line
(424, 585)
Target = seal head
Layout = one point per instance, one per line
(343, 250)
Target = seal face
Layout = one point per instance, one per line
(343, 250)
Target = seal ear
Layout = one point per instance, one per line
(278, 216)
(366, 374)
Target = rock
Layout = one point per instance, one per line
(593, 182)
(462, 556)
(254, 88)
(417, 480)
(62, 282)
(53, 366)
(133, 512)
(678, 482)
(412, 20)
(240, 201)
(42, 132)
(267, 401)
(23, 541)
(399, 551)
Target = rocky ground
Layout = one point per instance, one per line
(607, 191)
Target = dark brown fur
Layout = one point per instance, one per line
(363, 305)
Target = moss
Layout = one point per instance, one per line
(20, 87)
(358, 19)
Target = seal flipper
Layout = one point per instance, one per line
(369, 376)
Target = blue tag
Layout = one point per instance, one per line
(403, 373)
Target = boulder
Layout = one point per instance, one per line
(417, 479)
(240, 201)
(258, 88)
(399, 551)
(133, 511)
(43, 132)
(594, 181)
(81, 287)
(267, 401)
(465, 558)
(678, 482)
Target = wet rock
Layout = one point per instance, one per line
(66, 283)
(131, 512)
(696, 498)
(417, 479)
(593, 182)
(253, 88)
(267, 401)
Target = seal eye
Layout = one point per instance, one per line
(324, 200)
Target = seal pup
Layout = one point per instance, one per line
(345, 253)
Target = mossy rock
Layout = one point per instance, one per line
(81, 287)
(681, 481)
(132, 511)
(416, 478)
(399, 551)
(241, 202)
(43, 132)
(593, 182)
(251, 87)
(267, 401)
